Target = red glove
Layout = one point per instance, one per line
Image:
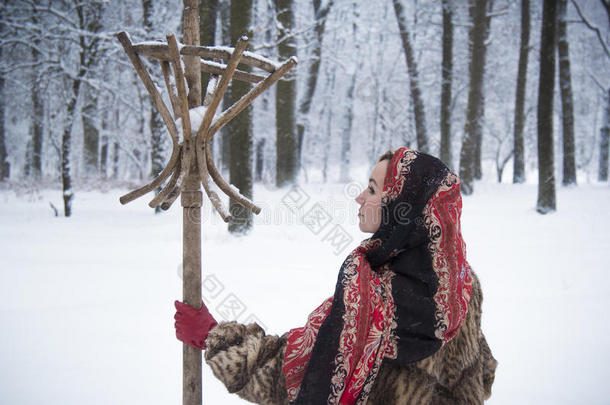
(192, 325)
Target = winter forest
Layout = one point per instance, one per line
(513, 95)
(478, 84)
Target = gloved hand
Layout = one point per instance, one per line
(192, 325)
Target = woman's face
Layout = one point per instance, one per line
(369, 213)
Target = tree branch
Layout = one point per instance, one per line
(592, 27)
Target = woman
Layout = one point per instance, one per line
(404, 323)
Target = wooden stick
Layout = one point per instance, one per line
(249, 97)
(222, 86)
(171, 184)
(203, 175)
(170, 88)
(225, 52)
(191, 202)
(150, 86)
(160, 51)
(218, 69)
(172, 196)
(201, 163)
(178, 187)
(223, 185)
(165, 173)
(182, 95)
(226, 116)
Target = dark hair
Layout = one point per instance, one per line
(386, 156)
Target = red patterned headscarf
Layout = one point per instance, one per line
(400, 295)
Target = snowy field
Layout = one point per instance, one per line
(87, 302)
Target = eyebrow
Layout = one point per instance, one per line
(374, 182)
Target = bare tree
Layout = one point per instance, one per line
(592, 27)
(91, 133)
(518, 147)
(224, 10)
(478, 150)
(4, 164)
(320, 12)
(604, 142)
(156, 126)
(348, 117)
(208, 11)
(473, 125)
(447, 80)
(546, 171)
(286, 139)
(37, 107)
(87, 16)
(331, 76)
(567, 100)
(240, 128)
(416, 97)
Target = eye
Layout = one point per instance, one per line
(371, 190)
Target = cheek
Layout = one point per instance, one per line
(374, 203)
(373, 206)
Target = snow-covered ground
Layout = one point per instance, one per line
(87, 302)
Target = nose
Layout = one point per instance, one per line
(360, 198)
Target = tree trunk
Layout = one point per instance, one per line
(447, 79)
(207, 21)
(567, 102)
(90, 22)
(207, 28)
(115, 160)
(240, 128)
(37, 130)
(208, 10)
(104, 149)
(157, 128)
(604, 142)
(225, 144)
(37, 115)
(5, 168)
(157, 151)
(66, 139)
(473, 125)
(312, 75)
(518, 144)
(346, 135)
(546, 171)
(105, 144)
(91, 134)
(328, 106)
(416, 98)
(66, 143)
(478, 152)
(260, 160)
(286, 140)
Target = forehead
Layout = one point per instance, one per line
(378, 173)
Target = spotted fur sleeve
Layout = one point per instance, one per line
(248, 362)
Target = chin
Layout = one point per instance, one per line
(364, 228)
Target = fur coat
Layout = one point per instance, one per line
(249, 363)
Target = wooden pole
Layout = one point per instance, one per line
(191, 212)
(191, 162)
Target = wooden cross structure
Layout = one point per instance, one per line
(191, 164)
(196, 146)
